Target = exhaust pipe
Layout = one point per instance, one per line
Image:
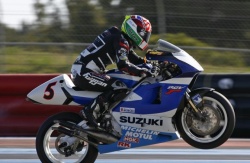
(64, 131)
(72, 133)
(102, 136)
(97, 134)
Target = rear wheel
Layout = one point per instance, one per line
(215, 129)
(50, 149)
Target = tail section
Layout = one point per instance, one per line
(60, 91)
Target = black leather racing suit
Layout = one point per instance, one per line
(88, 70)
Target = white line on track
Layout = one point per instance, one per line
(132, 161)
(29, 151)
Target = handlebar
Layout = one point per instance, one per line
(169, 70)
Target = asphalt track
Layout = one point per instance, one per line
(22, 150)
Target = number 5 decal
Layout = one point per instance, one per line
(49, 92)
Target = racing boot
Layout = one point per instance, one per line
(90, 113)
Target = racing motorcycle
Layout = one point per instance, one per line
(155, 110)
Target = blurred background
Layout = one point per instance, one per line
(40, 37)
(52, 33)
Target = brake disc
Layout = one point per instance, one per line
(209, 125)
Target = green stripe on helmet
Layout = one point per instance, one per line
(133, 35)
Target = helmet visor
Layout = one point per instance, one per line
(145, 39)
(146, 36)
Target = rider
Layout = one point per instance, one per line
(112, 46)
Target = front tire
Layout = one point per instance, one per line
(217, 127)
(46, 138)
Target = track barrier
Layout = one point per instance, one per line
(19, 117)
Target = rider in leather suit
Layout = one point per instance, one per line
(112, 46)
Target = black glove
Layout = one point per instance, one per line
(153, 72)
(145, 73)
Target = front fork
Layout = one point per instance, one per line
(196, 110)
(195, 101)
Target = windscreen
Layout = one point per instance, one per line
(166, 46)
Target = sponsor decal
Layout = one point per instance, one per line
(94, 81)
(134, 36)
(137, 134)
(131, 23)
(197, 99)
(155, 53)
(127, 110)
(123, 144)
(141, 121)
(172, 89)
(131, 139)
(226, 83)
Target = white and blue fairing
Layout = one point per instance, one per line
(176, 55)
(153, 100)
(143, 98)
(145, 115)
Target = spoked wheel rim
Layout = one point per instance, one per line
(54, 155)
(212, 128)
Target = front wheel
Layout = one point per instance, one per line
(49, 147)
(214, 130)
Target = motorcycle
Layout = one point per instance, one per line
(155, 110)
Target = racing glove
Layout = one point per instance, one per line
(153, 72)
(144, 73)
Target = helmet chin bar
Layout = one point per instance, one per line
(143, 45)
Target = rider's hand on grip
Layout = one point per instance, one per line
(155, 70)
(145, 73)
(149, 73)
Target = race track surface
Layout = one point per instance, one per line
(22, 150)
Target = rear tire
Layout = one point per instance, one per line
(216, 129)
(45, 148)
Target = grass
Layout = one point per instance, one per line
(225, 69)
(17, 60)
(34, 60)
